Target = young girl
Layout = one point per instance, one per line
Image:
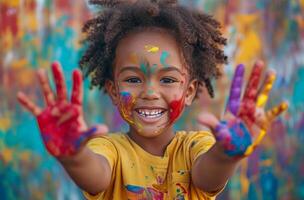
(152, 58)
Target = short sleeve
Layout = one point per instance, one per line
(102, 146)
(199, 142)
(214, 194)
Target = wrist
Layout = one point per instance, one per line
(220, 154)
(73, 159)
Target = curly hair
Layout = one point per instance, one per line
(198, 35)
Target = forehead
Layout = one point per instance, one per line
(150, 44)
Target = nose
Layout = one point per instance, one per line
(149, 92)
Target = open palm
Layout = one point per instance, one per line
(61, 122)
(245, 120)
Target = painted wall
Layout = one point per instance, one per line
(33, 33)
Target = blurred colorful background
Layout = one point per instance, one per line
(33, 33)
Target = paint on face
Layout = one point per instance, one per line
(176, 108)
(151, 48)
(150, 92)
(153, 68)
(134, 58)
(163, 58)
(126, 104)
(144, 67)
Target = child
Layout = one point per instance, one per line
(152, 58)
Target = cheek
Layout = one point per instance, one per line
(176, 108)
(126, 99)
(126, 104)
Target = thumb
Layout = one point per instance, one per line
(208, 119)
(96, 131)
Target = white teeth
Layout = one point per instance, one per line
(150, 113)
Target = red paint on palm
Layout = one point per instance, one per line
(61, 129)
(61, 123)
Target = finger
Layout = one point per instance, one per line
(266, 88)
(276, 111)
(45, 86)
(253, 83)
(248, 104)
(209, 120)
(96, 131)
(28, 104)
(256, 143)
(59, 82)
(77, 92)
(235, 91)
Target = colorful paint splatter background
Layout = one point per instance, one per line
(33, 33)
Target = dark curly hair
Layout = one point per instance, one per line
(197, 33)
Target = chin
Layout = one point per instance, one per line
(148, 132)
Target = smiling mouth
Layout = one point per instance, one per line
(150, 113)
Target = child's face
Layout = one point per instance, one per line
(151, 84)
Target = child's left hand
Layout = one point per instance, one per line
(245, 121)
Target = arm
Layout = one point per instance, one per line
(90, 171)
(242, 129)
(211, 170)
(65, 133)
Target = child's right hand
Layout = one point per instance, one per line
(61, 122)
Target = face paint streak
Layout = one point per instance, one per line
(176, 108)
(151, 48)
(126, 106)
(163, 58)
(133, 58)
(153, 68)
(144, 68)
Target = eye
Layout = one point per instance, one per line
(133, 80)
(168, 80)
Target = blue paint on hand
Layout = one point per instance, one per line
(234, 136)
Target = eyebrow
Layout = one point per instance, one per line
(163, 69)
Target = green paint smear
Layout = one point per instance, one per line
(163, 58)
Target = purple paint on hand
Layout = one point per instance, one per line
(236, 89)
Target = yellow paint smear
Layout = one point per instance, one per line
(151, 48)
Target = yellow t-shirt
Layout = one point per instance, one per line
(137, 174)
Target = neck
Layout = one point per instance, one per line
(154, 145)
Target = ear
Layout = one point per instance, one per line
(191, 92)
(112, 91)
